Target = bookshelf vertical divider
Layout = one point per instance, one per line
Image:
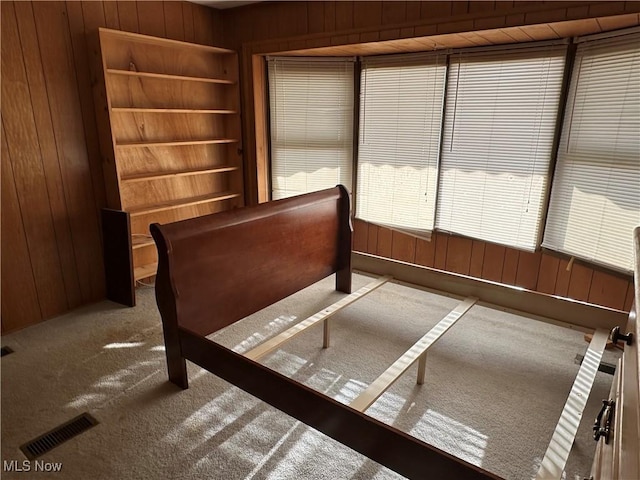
(168, 115)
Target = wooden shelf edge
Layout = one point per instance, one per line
(188, 202)
(143, 177)
(169, 76)
(166, 42)
(141, 241)
(176, 143)
(172, 110)
(145, 271)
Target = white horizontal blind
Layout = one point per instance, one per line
(311, 105)
(400, 119)
(497, 143)
(595, 198)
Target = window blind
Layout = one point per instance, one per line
(595, 198)
(499, 127)
(311, 110)
(400, 119)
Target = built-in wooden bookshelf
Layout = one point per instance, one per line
(169, 120)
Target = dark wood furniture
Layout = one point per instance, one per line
(215, 270)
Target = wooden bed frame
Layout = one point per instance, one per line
(216, 270)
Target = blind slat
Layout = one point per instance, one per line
(595, 197)
(498, 134)
(311, 107)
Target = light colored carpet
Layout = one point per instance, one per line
(496, 384)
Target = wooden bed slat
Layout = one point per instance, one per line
(561, 442)
(393, 448)
(418, 350)
(273, 343)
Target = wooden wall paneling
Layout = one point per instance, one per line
(47, 143)
(151, 18)
(291, 18)
(187, 20)
(393, 12)
(528, 268)
(430, 10)
(426, 251)
(459, 255)
(477, 258)
(510, 266)
(372, 239)
(111, 18)
(608, 290)
(344, 15)
(85, 18)
(580, 282)
(261, 107)
(547, 274)
(493, 262)
(412, 10)
(440, 258)
(128, 16)
(629, 298)
(20, 305)
(218, 38)
(315, 17)
(203, 23)
(403, 247)
(563, 278)
(460, 8)
(385, 242)
(360, 232)
(329, 16)
(173, 20)
(28, 173)
(59, 72)
(367, 14)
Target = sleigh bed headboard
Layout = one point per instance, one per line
(216, 269)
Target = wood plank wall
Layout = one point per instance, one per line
(52, 184)
(281, 26)
(540, 271)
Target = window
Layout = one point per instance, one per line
(399, 138)
(311, 103)
(595, 199)
(498, 134)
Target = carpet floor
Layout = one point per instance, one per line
(495, 386)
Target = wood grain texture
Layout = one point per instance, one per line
(360, 233)
(27, 170)
(385, 242)
(510, 266)
(493, 262)
(372, 239)
(563, 278)
(51, 138)
(608, 290)
(425, 252)
(580, 282)
(128, 16)
(440, 258)
(528, 268)
(459, 255)
(173, 20)
(50, 160)
(76, 165)
(403, 247)
(151, 18)
(20, 305)
(477, 258)
(547, 274)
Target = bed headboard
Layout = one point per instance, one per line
(216, 269)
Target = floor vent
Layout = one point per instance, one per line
(5, 351)
(58, 436)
